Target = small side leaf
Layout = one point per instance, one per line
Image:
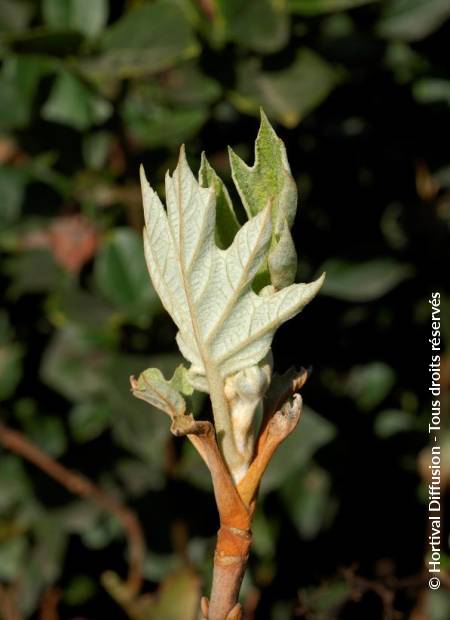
(153, 388)
(180, 381)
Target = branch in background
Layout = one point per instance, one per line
(360, 585)
(49, 605)
(8, 603)
(386, 588)
(80, 485)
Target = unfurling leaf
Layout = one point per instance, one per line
(224, 326)
(270, 182)
(153, 388)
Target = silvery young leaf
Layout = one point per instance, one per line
(224, 326)
(152, 387)
(269, 181)
(227, 224)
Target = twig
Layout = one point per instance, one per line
(360, 585)
(234, 536)
(8, 603)
(236, 504)
(80, 485)
(49, 605)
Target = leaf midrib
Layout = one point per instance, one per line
(191, 306)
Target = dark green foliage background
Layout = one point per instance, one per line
(360, 93)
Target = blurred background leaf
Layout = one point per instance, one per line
(262, 26)
(289, 94)
(121, 273)
(363, 281)
(89, 90)
(148, 39)
(72, 104)
(414, 20)
(83, 15)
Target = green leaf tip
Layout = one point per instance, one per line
(269, 181)
(153, 388)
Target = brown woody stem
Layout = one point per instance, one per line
(233, 537)
(236, 504)
(230, 562)
(80, 485)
